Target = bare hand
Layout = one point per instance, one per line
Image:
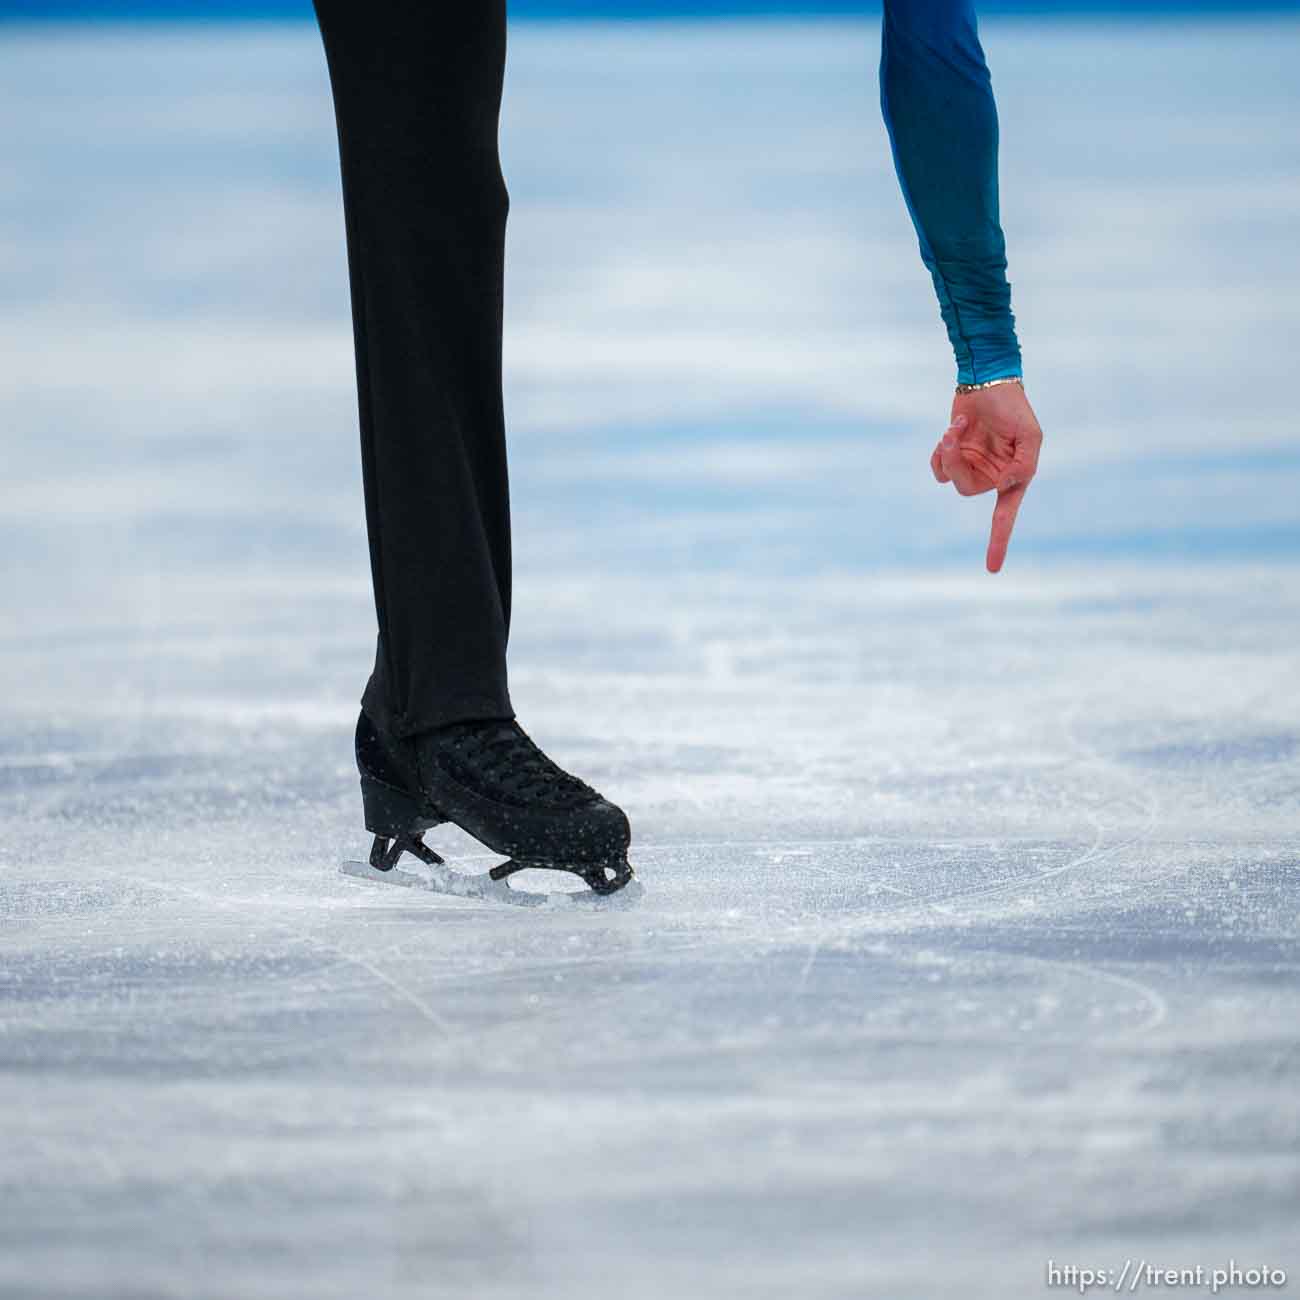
(992, 442)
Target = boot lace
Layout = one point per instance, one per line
(503, 756)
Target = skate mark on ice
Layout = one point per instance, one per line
(402, 990)
(344, 956)
(1088, 756)
(1154, 999)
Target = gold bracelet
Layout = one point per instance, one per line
(990, 383)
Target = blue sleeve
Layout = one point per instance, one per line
(937, 100)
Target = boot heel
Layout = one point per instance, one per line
(392, 812)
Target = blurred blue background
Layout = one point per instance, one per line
(722, 350)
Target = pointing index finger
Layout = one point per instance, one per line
(1004, 520)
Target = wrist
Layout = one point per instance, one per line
(990, 383)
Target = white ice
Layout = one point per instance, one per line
(969, 933)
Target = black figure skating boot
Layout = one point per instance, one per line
(493, 782)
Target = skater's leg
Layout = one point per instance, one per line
(417, 91)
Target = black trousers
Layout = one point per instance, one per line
(417, 95)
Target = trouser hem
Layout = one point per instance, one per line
(460, 708)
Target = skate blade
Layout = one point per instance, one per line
(456, 884)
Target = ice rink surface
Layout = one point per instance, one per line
(969, 934)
